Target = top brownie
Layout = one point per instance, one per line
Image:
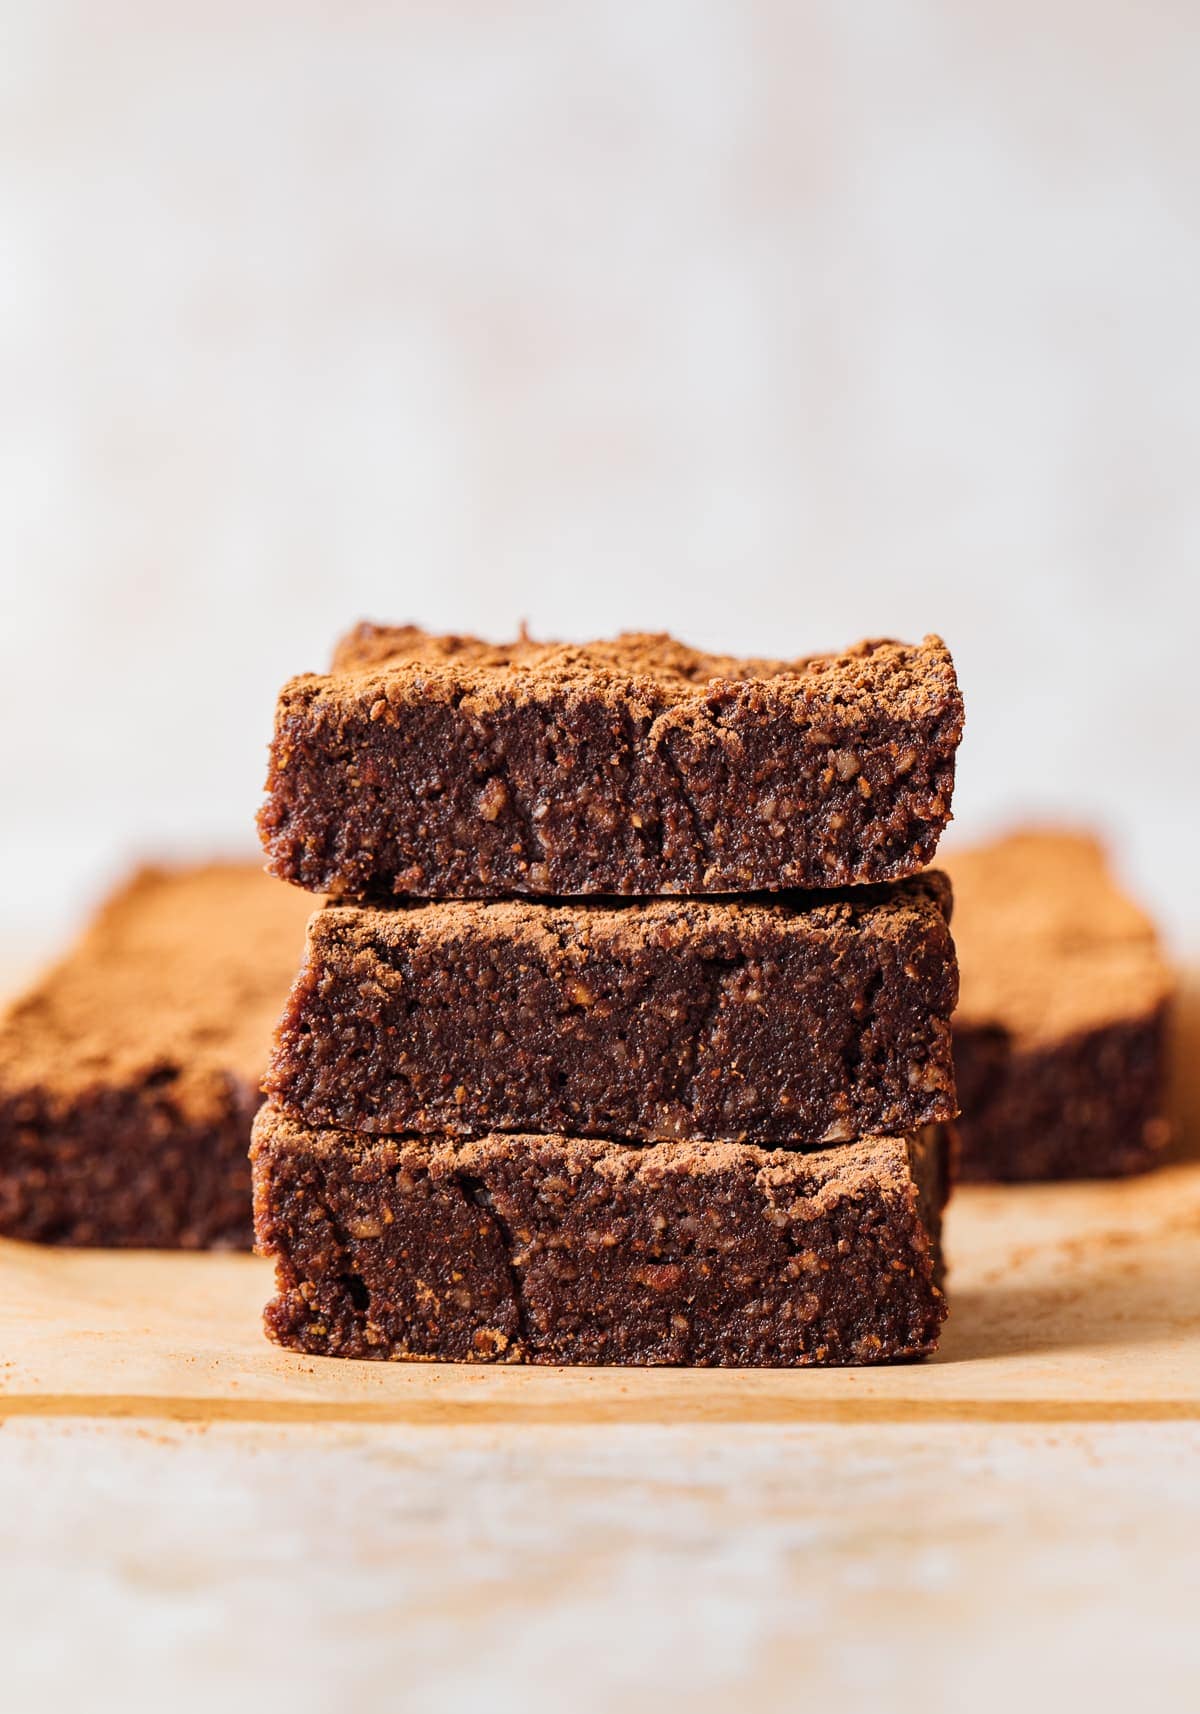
(442, 767)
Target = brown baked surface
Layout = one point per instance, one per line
(803, 1018)
(1060, 1031)
(442, 767)
(550, 1249)
(129, 1074)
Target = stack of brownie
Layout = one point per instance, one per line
(624, 1036)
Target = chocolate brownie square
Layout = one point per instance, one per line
(444, 767)
(787, 1018)
(129, 1075)
(552, 1249)
(1061, 1032)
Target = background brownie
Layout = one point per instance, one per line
(443, 767)
(809, 1018)
(1060, 1035)
(130, 1074)
(550, 1249)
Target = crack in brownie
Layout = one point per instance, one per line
(442, 767)
(803, 1018)
(549, 1249)
(129, 1075)
(1060, 1034)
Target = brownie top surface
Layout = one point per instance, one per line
(181, 973)
(885, 911)
(396, 662)
(843, 1168)
(1048, 944)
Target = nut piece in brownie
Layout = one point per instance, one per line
(443, 767)
(129, 1075)
(1060, 1035)
(550, 1249)
(805, 1018)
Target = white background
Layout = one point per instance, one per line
(771, 324)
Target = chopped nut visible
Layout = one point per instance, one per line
(841, 1131)
(493, 799)
(489, 1341)
(580, 993)
(658, 1276)
(846, 763)
(926, 1077)
(364, 1228)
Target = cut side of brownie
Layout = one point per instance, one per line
(549, 1249)
(1060, 1039)
(129, 1075)
(807, 1018)
(443, 767)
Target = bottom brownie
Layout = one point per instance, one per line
(549, 1249)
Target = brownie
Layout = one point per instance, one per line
(129, 1075)
(1060, 1035)
(803, 1018)
(443, 767)
(551, 1249)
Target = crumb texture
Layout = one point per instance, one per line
(129, 1075)
(808, 1019)
(550, 1249)
(1060, 1034)
(443, 767)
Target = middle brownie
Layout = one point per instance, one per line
(811, 1018)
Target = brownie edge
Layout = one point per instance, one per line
(548, 1249)
(443, 767)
